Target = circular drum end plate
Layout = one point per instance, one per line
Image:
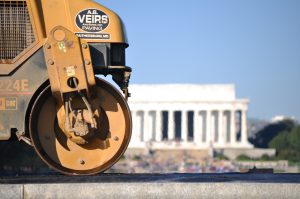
(101, 152)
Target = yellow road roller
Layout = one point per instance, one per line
(52, 56)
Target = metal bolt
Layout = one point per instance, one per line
(87, 62)
(116, 138)
(50, 62)
(48, 46)
(82, 162)
(84, 46)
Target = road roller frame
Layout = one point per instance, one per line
(67, 43)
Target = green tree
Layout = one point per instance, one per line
(294, 138)
(280, 142)
(266, 135)
(287, 144)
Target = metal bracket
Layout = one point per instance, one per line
(68, 57)
(21, 137)
(121, 75)
(70, 72)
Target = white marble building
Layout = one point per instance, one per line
(188, 116)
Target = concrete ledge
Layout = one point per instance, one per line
(154, 186)
(151, 190)
(11, 191)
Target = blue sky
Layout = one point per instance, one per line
(254, 44)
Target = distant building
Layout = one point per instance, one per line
(280, 118)
(188, 116)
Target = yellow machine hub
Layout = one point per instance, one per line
(105, 147)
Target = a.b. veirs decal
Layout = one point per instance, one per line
(92, 20)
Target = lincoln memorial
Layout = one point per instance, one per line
(188, 116)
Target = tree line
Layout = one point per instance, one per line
(284, 136)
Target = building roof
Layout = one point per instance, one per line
(181, 92)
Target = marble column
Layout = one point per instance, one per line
(158, 122)
(140, 125)
(152, 125)
(221, 131)
(244, 138)
(203, 126)
(146, 132)
(214, 126)
(184, 126)
(226, 126)
(198, 122)
(134, 126)
(208, 127)
(171, 130)
(232, 128)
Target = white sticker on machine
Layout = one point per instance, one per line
(92, 20)
(93, 35)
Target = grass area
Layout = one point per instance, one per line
(261, 159)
